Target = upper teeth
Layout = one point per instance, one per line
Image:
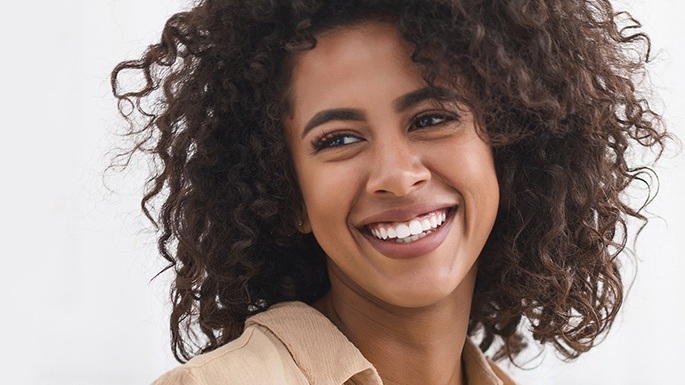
(411, 228)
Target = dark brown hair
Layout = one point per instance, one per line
(553, 83)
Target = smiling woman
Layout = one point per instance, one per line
(354, 191)
(404, 156)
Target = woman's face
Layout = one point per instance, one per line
(398, 188)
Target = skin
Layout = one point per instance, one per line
(382, 160)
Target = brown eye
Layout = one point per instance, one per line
(431, 119)
(333, 140)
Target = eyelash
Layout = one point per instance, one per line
(325, 139)
(445, 116)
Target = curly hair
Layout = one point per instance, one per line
(553, 83)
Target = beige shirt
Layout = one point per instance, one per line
(294, 344)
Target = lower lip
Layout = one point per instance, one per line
(422, 246)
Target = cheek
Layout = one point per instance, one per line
(479, 168)
(469, 168)
(328, 192)
(469, 164)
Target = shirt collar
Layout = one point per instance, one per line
(479, 370)
(304, 331)
(319, 349)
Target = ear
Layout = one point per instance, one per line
(302, 222)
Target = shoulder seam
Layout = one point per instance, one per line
(248, 336)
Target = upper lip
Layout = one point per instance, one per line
(404, 214)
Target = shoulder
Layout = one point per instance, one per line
(256, 357)
(289, 344)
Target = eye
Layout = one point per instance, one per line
(430, 119)
(331, 140)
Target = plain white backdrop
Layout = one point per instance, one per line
(78, 306)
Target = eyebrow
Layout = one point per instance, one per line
(418, 96)
(325, 116)
(400, 104)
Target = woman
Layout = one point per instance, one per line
(352, 190)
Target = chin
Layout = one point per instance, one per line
(428, 292)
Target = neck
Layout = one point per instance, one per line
(406, 345)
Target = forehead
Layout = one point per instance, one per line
(358, 41)
(350, 58)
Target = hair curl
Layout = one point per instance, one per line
(553, 83)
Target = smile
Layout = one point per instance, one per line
(409, 231)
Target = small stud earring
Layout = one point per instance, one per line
(299, 223)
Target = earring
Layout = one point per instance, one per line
(299, 223)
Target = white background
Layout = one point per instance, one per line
(77, 257)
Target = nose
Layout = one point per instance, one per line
(396, 170)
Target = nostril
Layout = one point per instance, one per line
(398, 182)
(396, 170)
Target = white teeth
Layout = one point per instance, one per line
(415, 227)
(410, 231)
(410, 239)
(403, 231)
(383, 233)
